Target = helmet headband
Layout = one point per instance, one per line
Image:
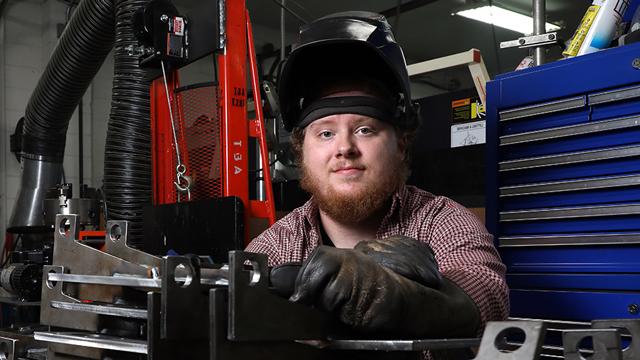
(361, 105)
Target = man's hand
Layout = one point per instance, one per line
(372, 298)
(408, 257)
(351, 285)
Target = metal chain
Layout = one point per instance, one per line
(183, 182)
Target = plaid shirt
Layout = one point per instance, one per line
(463, 247)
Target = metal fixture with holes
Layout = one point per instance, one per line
(606, 343)
(211, 308)
(540, 39)
(90, 291)
(496, 338)
(632, 327)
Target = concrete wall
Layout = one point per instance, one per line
(22, 50)
(28, 35)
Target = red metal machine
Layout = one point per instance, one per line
(209, 125)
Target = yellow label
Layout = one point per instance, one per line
(477, 110)
(581, 31)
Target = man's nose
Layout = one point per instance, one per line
(346, 146)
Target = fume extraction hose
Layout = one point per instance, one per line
(127, 161)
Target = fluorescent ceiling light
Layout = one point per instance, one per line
(504, 18)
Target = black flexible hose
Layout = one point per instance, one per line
(127, 161)
(76, 59)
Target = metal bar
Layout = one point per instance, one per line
(564, 240)
(127, 280)
(80, 148)
(570, 185)
(268, 200)
(556, 324)
(400, 345)
(531, 41)
(163, 164)
(539, 20)
(614, 95)
(480, 76)
(544, 108)
(93, 341)
(106, 280)
(565, 213)
(470, 56)
(233, 109)
(573, 130)
(570, 158)
(111, 310)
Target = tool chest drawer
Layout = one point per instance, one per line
(563, 185)
(573, 305)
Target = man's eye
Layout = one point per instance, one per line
(365, 130)
(326, 134)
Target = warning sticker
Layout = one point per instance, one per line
(178, 26)
(469, 109)
(467, 134)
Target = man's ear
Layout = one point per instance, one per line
(403, 142)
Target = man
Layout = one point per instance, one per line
(386, 258)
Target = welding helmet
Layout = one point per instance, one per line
(339, 47)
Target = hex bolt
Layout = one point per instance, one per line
(552, 36)
(636, 63)
(633, 309)
(522, 41)
(164, 18)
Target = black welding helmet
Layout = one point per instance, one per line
(346, 45)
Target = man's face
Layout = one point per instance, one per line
(352, 164)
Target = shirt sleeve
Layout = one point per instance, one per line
(267, 243)
(466, 255)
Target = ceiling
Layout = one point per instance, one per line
(430, 31)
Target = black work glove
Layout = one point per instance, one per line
(408, 257)
(282, 278)
(372, 298)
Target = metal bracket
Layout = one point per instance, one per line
(632, 326)
(7, 348)
(184, 300)
(68, 250)
(606, 344)
(52, 291)
(115, 242)
(250, 303)
(524, 42)
(495, 333)
(471, 58)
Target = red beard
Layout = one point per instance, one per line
(356, 206)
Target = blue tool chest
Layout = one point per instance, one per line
(563, 185)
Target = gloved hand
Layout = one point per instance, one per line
(408, 257)
(372, 298)
(282, 278)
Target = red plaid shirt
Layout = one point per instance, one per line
(463, 247)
